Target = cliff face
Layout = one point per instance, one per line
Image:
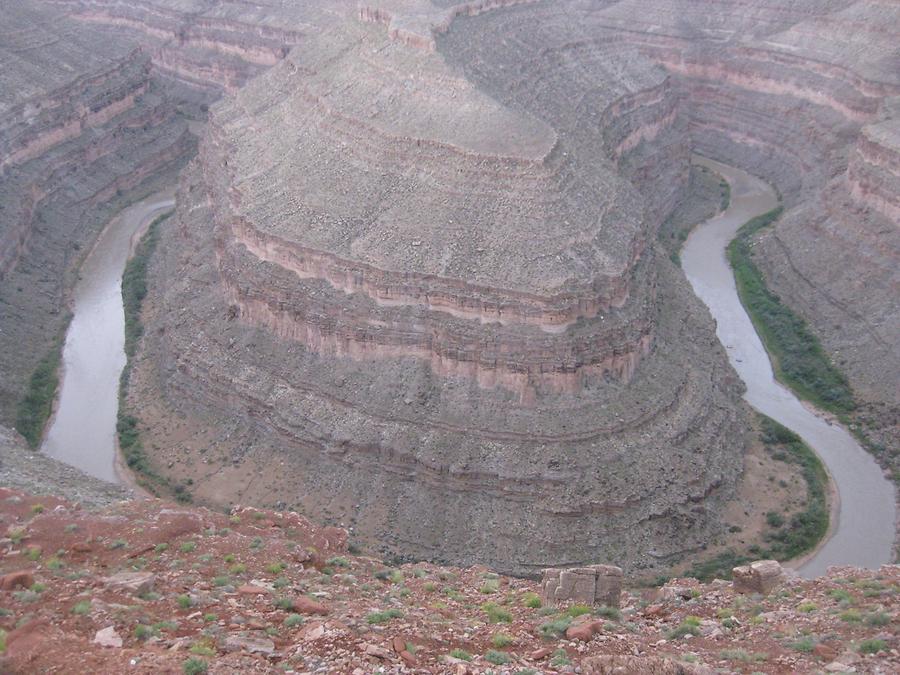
(82, 127)
(803, 94)
(413, 281)
(430, 294)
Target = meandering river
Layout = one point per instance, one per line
(83, 429)
(82, 432)
(866, 511)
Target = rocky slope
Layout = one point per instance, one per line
(146, 586)
(445, 284)
(83, 129)
(413, 282)
(431, 295)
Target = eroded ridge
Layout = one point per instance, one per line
(418, 280)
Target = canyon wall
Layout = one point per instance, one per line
(415, 289)
(804, 95)
(413, 284)
(83, 129)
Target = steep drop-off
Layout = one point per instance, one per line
(435, 310)
(413, 283)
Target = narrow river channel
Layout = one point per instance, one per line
(864, 532)
(83, 429)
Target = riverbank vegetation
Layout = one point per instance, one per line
(787, 537)
(36, 406)
(797, 355)
(707, 194)
(134, 290)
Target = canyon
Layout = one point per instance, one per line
(413, 284)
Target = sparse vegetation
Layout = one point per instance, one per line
(134, 289)
(690, 626)
(496, 658)
(35, 407)
(383, 616)
(195, 666)
(293, 620)
(797, 355)
(496, 613)
(502, 640)
(461, 654)
(788, 537)
(554, 629)
(872, 646)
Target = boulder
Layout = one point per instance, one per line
(252, 645)
(136, 583)
(108, 637)
(252, 589)
(20, 579)
(304, 605)
(593, 585)
(760, 577)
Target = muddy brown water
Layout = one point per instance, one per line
(863, 533)
(83, 429)
(82, 432)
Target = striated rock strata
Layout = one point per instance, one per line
(413, 283)
(429, 292)
(83, 127)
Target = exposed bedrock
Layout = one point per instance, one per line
(429, 291)
(430, 464)
(82, 129)
(805, 95)
(414, 262)
(204, 43)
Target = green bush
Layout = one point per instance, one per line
(34, 409)
(195, 667)
(496, 613)
(383, 616)
(461, 654)
(797, 355)
(556, 628)
(690, 626)
(497, 658)
(293, 620)
(501, 640)
(872, 646)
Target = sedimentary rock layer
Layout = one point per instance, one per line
(414, 264)
(421, 272)
(82, 125)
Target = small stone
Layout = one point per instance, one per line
(408, 658)
(312, 632)
(108, 637)
(251, 589)
(838, 667)
(253, 645)
(540, 654)
(399, 644)
(377, 652)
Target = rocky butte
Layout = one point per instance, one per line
(414, 285)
